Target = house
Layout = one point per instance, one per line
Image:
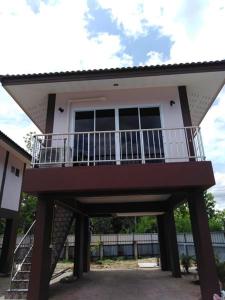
(123, 142)
(13, 162)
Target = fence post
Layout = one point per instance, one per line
(135, 246)
(67, 249)
(101, 250)
(185, 244)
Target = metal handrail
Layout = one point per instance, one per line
(28, 231)
(117, 146)
(114, 131)
(20, 261)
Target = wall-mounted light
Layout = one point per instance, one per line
(172, 103)
(61, 109)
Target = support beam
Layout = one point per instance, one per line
(50, 113)
(172, 243)
(203, 246)
(41, 254)
(126, 207)
(8, 245)
(78, 249)
(87, 245)
(163, 244)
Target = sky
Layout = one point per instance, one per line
(64, 35)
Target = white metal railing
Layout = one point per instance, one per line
(119, 146)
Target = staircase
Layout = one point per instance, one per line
(21, 266)
(63, 219)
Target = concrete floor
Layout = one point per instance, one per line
(127, 285)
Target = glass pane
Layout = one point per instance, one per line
(84, 121)
(105, 120)
(130, 147)
(152, 139)
(128, 118)
(105, 142)
(150, 118)
(83, 143)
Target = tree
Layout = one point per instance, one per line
(28, 139)
(27, 212)
(210, 204)
(216, 217)
(146, 224)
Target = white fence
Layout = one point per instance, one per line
(129, 245)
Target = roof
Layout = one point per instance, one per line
(15, 146)
(203, 81)
(163, 69)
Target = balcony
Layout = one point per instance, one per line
(120, 147)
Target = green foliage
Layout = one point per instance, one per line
(220, 266)
(112, 225)
(210, 203)
(28, 139)
(186, 262)
(27, 212)
(182, 218)
(216, 217)
(146, 224)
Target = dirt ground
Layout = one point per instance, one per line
(115, 280)
(128, 285)
(119, 279)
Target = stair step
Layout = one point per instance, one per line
(22, 275)
(26, 267)
(16, 294)
(18, 284)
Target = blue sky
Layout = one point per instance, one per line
(54, 35)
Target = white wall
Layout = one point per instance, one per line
(12, 187)
(171, 116)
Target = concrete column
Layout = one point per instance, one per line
(8, 245)
(41, 254)
(101, 250)
(163, 244)
(135, 246)
(79, 244)
(203, 246)
(87, 245)
(172, 243)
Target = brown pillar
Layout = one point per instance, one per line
(203, 246)
(41, 254)
(172, 243)
(8, 245)
(185, 110)
(78, 249)
(87, 244)
(163, 244)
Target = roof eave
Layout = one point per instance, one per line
(114, 73)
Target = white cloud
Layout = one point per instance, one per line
(219, 190)
(154, 58)
(195, 27)
(213, 130)
(55, 39)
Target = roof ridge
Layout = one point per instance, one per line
(129, 68)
